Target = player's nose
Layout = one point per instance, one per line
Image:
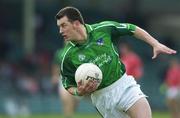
(60, 31)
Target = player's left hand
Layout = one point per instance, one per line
(88, 88)
(160, 48)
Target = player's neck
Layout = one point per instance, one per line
(82, 34)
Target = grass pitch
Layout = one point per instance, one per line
(155, 115)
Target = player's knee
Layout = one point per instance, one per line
(140, 109)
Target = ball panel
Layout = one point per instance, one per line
(88, 71)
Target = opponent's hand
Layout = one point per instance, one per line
(160, 48)
(88, 88)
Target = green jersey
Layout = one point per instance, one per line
(98, 49)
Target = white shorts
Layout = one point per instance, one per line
(173, 93)
(114, 100)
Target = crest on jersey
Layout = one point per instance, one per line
(100, 41)
(81, 57)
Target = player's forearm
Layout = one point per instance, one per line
(83, 90)
(143, 35)
(73, 91)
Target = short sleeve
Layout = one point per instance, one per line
(122, 29)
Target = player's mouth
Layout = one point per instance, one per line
(64, 36)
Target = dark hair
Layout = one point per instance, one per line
(72, 14)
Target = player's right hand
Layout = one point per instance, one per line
(88, 88)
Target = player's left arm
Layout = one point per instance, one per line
(156, 45)
(81, 89)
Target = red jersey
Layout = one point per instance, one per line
(173, 76)
(133, 65)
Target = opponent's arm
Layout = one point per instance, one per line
(157, 46)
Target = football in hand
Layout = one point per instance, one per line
(88, 71)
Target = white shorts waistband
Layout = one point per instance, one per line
(108, 88)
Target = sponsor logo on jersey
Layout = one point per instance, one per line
(100, 41)
(81, 57)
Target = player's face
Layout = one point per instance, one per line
(67, 29)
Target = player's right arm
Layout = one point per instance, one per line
(81, 89)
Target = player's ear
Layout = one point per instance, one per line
(76, 23)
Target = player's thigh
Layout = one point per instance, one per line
(141, 109)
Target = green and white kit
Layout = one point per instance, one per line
(117, 91)
(98, 49)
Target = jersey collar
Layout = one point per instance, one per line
(88, 28)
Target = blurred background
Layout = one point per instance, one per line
(29, 38)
